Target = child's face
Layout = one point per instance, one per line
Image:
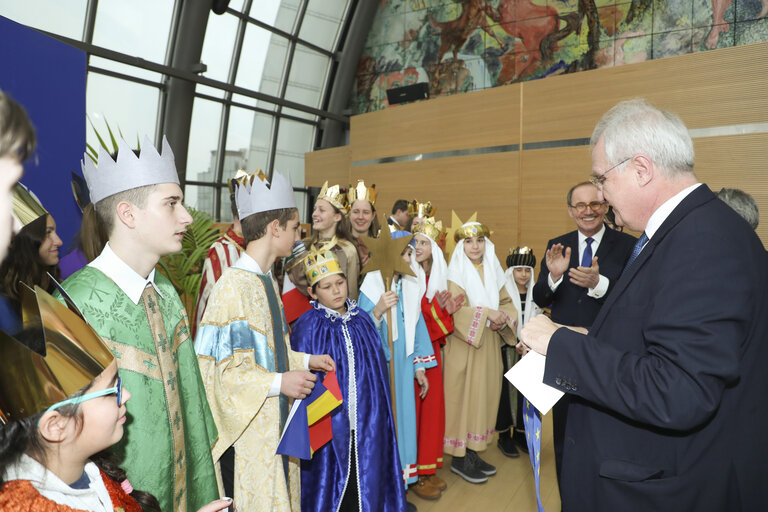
(522, 276)
(406, 255)
(162, 223)
(287, 236)
(49, 247)
(103, 419)
(324, 216)
(331, 292)
(474, 248)
(423, 248)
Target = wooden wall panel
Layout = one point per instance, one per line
(472, 120)
(329, 164)
(717, 88)
(484, 183)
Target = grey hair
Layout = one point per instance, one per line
(635, 127)
(742, 203)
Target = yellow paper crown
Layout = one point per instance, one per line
(242, 177)
(417, 209)
(26, 206)
(335, 195)
(430, 228)
(360, 191)
(471, 229)
(55, 355)
(320, 263)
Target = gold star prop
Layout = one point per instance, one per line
(456, 223)
(386, 256)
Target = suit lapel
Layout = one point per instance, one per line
(573, 243)
(698, 197)
(605, 244)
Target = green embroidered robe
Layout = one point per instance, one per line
(166, 449)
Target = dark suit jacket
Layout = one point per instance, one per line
(570, 303)
(668, 391)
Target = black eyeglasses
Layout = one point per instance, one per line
(599, 180)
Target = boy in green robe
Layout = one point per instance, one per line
(167, 448)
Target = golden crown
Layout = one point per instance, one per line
(471, 229)
(521, 257)
(55, 355)
(360, 191)
(242, 177)
(320, 263)
(335, 195)
(26, 206)
(430, 228)
(417, 209)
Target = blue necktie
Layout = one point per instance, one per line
(532, 422)
(636, 250)
(586, 259)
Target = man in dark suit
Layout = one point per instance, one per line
(668, 388)
(593, 257)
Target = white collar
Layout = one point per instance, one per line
(395, 220)
(596, 238)
(662, 212)
(245, 262)
(123, 275)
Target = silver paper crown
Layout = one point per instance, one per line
(130, 171)
(257, 195)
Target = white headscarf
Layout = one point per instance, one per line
(530, 306)
(438, 280)
(462, 272)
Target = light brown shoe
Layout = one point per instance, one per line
(423, 490)
(437, 482)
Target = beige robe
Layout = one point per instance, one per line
(472, 373)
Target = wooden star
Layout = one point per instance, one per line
(386, 255)
(456, 223)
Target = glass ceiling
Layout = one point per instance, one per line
(282, 49)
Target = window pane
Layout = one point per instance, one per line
(293, 140)
(257, 45)
(65, 18)
(261, 141)
(218, 45)
(129, 108)
(138, 28)
(308, 77)
(200, 198)
(203, 140)
(277, 13)
(210, 91)
(226, 205)
(112, 65)
(322, 22)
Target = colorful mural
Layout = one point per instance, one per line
(463, 45)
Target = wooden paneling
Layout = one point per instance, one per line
(486, 184)
(716, 88)
(329, 164)
(472, 120)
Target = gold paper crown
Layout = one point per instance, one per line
(360, 191)
(26, 206)
(320, 263)
(335, 195)
(242, 177)
(417, 209)
(55, 355)
(471, 229)
(431, 229)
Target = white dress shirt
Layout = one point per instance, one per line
(124, 276)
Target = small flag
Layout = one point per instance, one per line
(294, 302)
(309, 423)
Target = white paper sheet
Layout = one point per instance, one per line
(528, 376)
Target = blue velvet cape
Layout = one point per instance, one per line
(324, 478)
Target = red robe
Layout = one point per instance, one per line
(430, 412)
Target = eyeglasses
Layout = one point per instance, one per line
(599, 180)
(594, 205)
(117, 389)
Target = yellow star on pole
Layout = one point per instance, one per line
(386, 256)
(456, 223)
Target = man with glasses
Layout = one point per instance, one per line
(668, 388)
(577, 273)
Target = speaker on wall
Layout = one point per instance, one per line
(419, 91)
